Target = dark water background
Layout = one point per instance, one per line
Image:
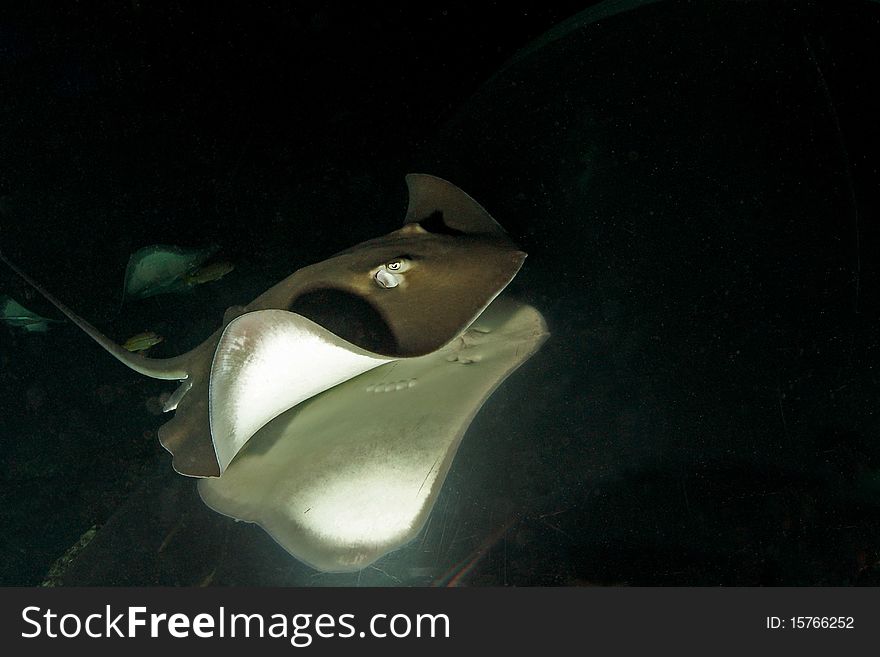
(696, 185)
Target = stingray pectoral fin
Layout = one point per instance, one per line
(187, 435)
(354, 472)
(268, 361)
(460, 213)
(165, 368)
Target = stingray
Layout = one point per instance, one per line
(14, 314)
(161, 269)
(340, 489)
(350, 383)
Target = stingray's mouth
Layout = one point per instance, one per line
(349, 316)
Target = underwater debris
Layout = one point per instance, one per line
(56, 572)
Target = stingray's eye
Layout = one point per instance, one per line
(386, 279)
(391, 273)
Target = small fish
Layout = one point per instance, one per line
(142, 341)
(209, 273)
(14, 314)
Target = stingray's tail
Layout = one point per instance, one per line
(157, 368)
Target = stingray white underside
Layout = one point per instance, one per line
(267, 362)
(350, 474)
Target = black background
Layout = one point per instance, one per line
(696, 184)
(247, 125)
